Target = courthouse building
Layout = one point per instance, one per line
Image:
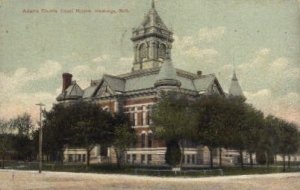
(137, 91)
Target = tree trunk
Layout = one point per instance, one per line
(241, 158)
(211, 158)
(289, 161)
(2, 162)
(119, 155)
(88, 155)
(181, 146)
(251, 159)
(61, 157)
(220, 157)
(283, 163)
(267, 159)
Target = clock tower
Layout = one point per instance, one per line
(152, 41)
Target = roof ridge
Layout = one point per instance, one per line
(113, 76)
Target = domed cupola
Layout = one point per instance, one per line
(167, 77)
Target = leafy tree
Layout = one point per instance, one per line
(238, 126)
(82, 124)
(173, 153)
(5, 140)
(90, 126)
(57, 131)
(23, 124)
(15, 137)
(268, 140)
(22, 143)
(173, 119)
(124, 136)
(254, 121)
(288, 139)
(211, 126)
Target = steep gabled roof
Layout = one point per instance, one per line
(235, 88)
(204, 82)
(114, 82)
(72, 92)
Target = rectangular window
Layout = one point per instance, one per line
(79, 158)
(150, 140)
(128, 158)
(188, 159)
(83, 158)
(142, 159)
(133, 158)
(70, 158)
(103, 151)
(140, 118)
(143, 140)
(147, 119)
(193, 159)
(149, 158)
(132, 119)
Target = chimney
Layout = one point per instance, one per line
(67, 80)
(199, 73)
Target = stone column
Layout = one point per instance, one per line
(135, 116)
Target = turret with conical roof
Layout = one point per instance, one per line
(152, 39)
(167, 77)
(235, 88)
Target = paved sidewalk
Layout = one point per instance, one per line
(31, 180)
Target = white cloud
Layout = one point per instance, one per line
(188, 47)
(211, 34)
(83, 74)
(271, 84)
(101, 58)
(192, 47)
(15, 100)
(286, 106)
(48, 69)
(201, 53)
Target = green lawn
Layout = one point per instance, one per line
(151, 171)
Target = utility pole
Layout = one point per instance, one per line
(40, 138)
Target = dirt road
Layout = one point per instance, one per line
(31, 180)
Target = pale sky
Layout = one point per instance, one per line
(261, 39)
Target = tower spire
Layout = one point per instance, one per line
(234, 75)
(152, 40)
(235, 88)
(153, 4)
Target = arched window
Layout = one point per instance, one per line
(162, 51)
(143, 140)
(143, 51)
